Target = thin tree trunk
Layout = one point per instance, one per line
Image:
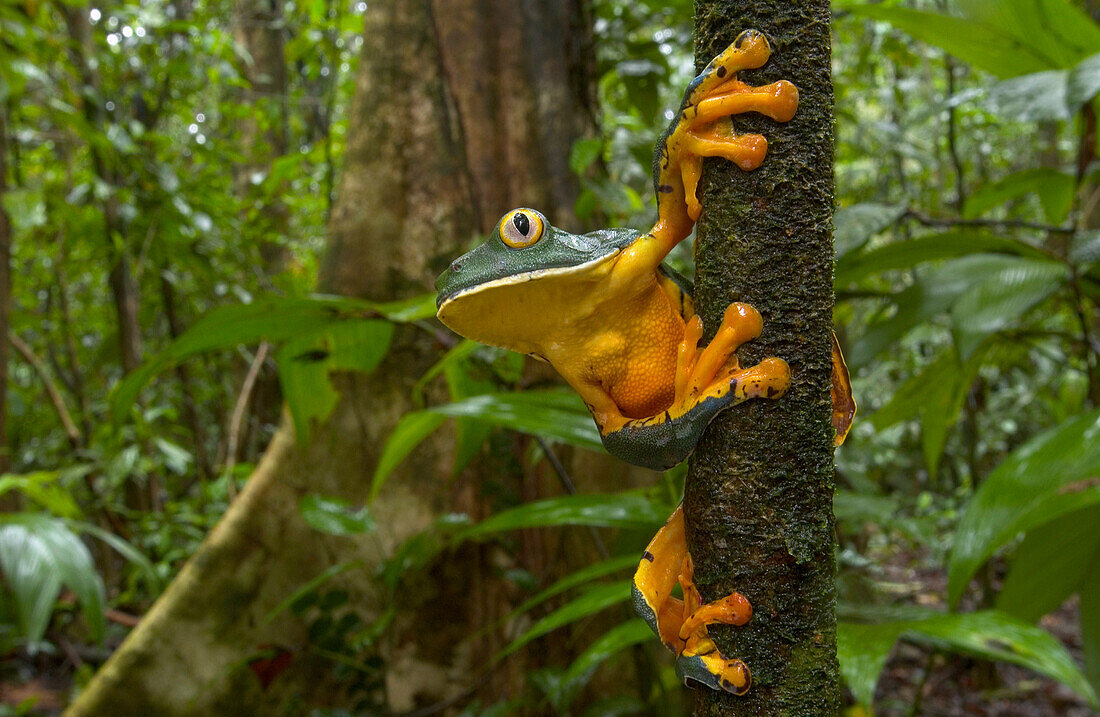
(408, 203)
(758, 501)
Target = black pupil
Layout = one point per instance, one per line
(522, 223)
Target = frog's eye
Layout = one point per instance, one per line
(521, 228)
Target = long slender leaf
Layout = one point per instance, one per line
(590, 602)
(123, 548)
(572, 580)
(410, 431)
(622, 510)
(864, 648)
(1090, 624)
(630, 633)
(551, 414)
(1024, 491)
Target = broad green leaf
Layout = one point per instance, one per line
(406, 311)
(933, 294)
(1050, 564)
(622, 510)
(39, 554)
(989, 48)
(1085, 248)
(1083, 83)
(410, 431)
(856, 225)
(1056, 30)
(1055, 190)
(273, 319)
(627, 634)
(585, 151)
(305, 363)
(1025, 491)
(910, 253)
(595, 600)
(1036, 97)
(1001, 297)
(864, 648)
(335, 516)
(43, 488)
(551, 414)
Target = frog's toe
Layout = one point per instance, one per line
(714, 671)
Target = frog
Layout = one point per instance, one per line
(620, 328)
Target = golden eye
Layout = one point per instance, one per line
(521, 228)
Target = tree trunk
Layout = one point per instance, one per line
(441, 86)
(758, 501)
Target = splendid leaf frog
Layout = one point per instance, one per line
(621, 329)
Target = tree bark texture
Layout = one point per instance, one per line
(440, 84)
(758, 501)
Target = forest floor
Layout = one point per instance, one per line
(915, 682)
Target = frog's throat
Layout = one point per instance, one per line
(523, 277)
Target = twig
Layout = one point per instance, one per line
(571, 489)
(237, 419)
(1013, 223)
(122, 618)
(76, 440)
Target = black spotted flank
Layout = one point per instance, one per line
(772, 392)
(721, 71)
(665, 188)
(314, 355)
(648, 556)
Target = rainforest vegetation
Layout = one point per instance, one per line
(244, 470)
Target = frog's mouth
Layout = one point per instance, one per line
(518, 310)
(520, 278)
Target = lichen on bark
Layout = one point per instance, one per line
(758, 501)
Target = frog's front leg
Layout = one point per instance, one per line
(682, 624)
(706, 382)
(702, 129)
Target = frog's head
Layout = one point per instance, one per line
(528, 274)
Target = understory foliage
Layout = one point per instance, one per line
(967, 282)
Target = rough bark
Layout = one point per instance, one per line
(759, 490)
(409, 201)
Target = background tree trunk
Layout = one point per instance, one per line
(5, 291)
(441, 87)
(758, 501)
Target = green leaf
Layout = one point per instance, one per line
(1037, 97)
(1001, 297)
(864, 648)
(39, 554)
(572, 580)
(856, 225)
(410, 431)
(1083, 83)
(1027, 489)
(270, 319)
(1051, 564)
(585, 151)
(590, 602)
(555, 414)
(627, 634)
(990, 48)
(123, 548)
(44, 488)
(620, 510)
(335, 516)
(1055, 190)
(1085, 248)
(908, 254)
(863, 651)
(306, 361)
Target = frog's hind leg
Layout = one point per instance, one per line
(682, 624)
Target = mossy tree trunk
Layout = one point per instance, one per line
(759, 491)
